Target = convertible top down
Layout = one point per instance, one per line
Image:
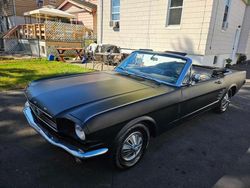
(117, 112)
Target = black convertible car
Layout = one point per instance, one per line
(117, 112)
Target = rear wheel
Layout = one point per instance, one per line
(225, 102)
(131, 146)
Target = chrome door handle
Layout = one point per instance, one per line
(218, 82)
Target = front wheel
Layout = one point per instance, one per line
(131, 146)
(224, 103)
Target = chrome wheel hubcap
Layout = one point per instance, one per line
(225, 102)
(132, 146)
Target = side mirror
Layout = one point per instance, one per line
(196, 78)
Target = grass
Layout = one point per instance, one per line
(16, 74)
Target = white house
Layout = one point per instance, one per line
(210, 31)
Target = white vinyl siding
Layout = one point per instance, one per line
(244, 46)
(144, 26)
(219, 41)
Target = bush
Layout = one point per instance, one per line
(241, 59)
(228, 62)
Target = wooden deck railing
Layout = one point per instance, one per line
(52, 31)
(13, 32)
(33, 31)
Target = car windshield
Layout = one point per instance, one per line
(159, 67)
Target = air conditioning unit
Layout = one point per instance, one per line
(114, 24)
(111, 23)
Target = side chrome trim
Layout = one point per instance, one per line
(76, 152)
(200, 109)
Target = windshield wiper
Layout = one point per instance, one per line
(152, 79)
(141, 76)
(124, 70)
(129, 73)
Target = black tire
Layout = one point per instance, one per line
(224, 102)
(127, 154)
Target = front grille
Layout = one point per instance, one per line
(43, 117)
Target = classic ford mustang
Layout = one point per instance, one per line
(117, 112)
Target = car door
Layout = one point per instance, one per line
(201, 95)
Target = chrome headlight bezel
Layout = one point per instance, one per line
(80, 132)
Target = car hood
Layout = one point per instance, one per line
(91, 93)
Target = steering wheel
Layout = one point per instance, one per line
(171, 73)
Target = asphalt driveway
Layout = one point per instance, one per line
(196, 154)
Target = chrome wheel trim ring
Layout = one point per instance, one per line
(225, 102)
(132, 146)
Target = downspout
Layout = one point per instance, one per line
(101, 39)
(14, 9)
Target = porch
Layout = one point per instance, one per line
(53, 28)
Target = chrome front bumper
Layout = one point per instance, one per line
(76, 152)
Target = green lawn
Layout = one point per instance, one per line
(16, 74)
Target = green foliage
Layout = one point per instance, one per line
(229, 61)
(16, 74)
(241, 59)
(87, 42)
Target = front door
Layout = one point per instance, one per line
(200, 96)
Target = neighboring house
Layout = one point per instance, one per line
(11, 12)
(210, 31)
(84, 10)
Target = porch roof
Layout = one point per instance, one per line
(49, 12)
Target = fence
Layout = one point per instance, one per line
(42, 48)
(57, 31)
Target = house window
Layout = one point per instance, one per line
(52, 2)
(39, 3)
(115, 10)
(6, 3)
(226, 12)
(174, 12)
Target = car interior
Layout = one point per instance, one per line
(203, 74)
(171, 70)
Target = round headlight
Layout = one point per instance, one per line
(79, 132)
